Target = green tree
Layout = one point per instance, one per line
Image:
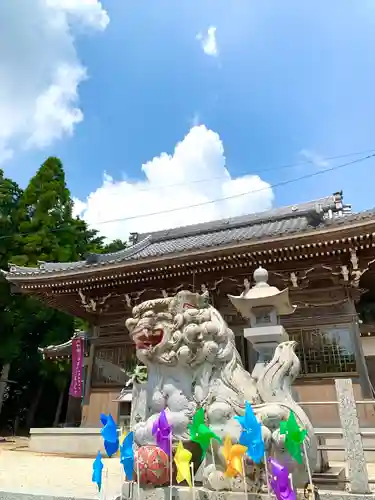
(37, 225)
(47, 232)
(47, 227)
(86, 240)
(41, 227)
(114, 246)
(10, 195)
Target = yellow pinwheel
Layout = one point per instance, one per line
(233, 454)
(124, 434)
(182, 460)
(121, 440)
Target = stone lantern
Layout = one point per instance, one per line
(263, 305)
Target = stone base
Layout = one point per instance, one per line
(67, 441)
(130, 492)
(332, 479)
(266, 336)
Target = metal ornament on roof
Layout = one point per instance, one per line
(262, 295)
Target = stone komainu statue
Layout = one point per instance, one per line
(192, 362)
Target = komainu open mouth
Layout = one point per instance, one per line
(147, 339)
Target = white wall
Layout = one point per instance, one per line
(368, 346)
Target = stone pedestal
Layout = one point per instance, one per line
(67, 441)
(130, 492)
(265, 340)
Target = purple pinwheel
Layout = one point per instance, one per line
(162, 432)
(280, 482)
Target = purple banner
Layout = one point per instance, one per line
(76, 385)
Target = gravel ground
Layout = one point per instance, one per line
(26, 472)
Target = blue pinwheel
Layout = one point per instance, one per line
(127, 455)
(109, 434)
(97, 470)
(251, 435)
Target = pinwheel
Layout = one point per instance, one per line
(182, 459)
(127, 455)
(111, 448)
(109, 434)
(200, 433)
(280, 482)
(163, 433)
(233, 454)
(294, 437)
(97, 470)
(123, 436)
(251, 435)
(109, 430)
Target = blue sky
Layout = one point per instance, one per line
(291, 80)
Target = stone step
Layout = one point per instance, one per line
(333, 478)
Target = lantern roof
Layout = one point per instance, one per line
(262, 295)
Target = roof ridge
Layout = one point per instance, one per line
(97, 258)
(274, 214)
(276, 223)
(93, 258)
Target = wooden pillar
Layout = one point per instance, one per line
(364, 378)
(73, 412)
(56, 420)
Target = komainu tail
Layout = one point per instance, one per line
(275, 386)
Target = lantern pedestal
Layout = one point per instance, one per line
(263, 305)
(265, 340)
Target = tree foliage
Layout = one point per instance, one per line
(37, 225)
(10, 195)
(114, 246)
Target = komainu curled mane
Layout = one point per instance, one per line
(192, 362)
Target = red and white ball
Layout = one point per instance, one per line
(153, 466)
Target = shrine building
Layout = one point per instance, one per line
(321, 250)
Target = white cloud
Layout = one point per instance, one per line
(314, 158)
(195, 173)
(78, 207)
(89, 12)
(5, 153)
(209, 42)
(39, 68)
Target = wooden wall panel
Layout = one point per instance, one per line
(327, 415)
(101, 401)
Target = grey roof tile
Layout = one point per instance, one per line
(321, 204)
(278, 222)
(223, 237)
(64, 348)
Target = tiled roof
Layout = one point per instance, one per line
(62, 349)
(274, 223)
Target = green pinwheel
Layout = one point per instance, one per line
(200, 433)
(294, 437)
